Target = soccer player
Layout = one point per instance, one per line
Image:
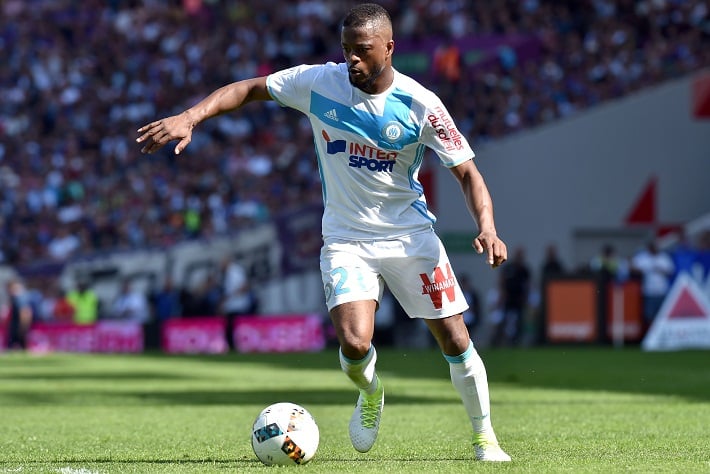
(371, 126)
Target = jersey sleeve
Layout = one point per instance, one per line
(292, 87)
(439, 132)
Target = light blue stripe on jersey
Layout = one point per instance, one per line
(414, 184)
(419, 206)
(320, 173)
(367, 125)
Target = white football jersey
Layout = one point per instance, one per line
(370, 148)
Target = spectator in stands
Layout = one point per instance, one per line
(166, 301)
(64, 65)
(237, 295)
(64, 244)
(552, 266)
(473, 315)
(516, 281)
(684, 254)
(130, 304)
(655, 267)
(20, 314)
(85, 302)
(495, 318)
(58, 308)
(447, 61)
(36, 295)
(203, 298)
(704, 255)
(608, 265)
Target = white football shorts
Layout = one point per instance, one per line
(415, 268)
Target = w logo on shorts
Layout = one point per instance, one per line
(441, 284)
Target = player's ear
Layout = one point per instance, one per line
(390, 47)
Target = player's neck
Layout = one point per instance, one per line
(381, 83)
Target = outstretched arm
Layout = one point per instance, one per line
(480, 204)
(179, 127)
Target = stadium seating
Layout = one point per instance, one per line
(78, 79)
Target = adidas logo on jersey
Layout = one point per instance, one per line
(331, 114)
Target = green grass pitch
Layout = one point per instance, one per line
(556, 409)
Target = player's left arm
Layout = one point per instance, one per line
(480, 204)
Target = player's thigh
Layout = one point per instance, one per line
(354, 324)
(349, 274)
(422, 279)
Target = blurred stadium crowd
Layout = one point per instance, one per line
(78, 78)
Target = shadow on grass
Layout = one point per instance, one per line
(93, 376)
(205, 397)
(684, 374)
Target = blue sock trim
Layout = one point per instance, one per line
(358, 361)
(459, 359)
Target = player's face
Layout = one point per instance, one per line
(367, 53)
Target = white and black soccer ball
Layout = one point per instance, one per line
(285, 434)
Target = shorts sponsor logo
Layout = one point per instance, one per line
(443, 284)
(362, 156)
(445, 129)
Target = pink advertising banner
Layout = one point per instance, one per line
(107, 336)
(290, 333)
(203, 335)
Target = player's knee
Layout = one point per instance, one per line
(458, 344)
(354, 347)
(455, 341)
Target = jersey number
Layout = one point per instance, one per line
(341, 276)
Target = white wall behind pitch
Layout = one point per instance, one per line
(587, 172)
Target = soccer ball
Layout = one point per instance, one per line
(284, 434)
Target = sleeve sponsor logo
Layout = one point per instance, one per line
(445, 129)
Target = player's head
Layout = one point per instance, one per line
(366, 38)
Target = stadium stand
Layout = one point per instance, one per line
(79, 77)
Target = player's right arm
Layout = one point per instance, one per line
(179, 127)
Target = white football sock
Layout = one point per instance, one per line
(468, 374)
(361, 372)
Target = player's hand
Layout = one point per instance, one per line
(157, 134)
(495, 248)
